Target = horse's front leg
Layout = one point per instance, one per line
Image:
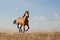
(28, 27)
(24, 28)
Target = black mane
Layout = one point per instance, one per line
(25, 13)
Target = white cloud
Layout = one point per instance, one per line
(43, 23)
(40, 18)
(55, 15)
(6, 25)
(36, 23)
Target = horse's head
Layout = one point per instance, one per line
(27, 14)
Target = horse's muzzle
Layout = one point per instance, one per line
(28, 16)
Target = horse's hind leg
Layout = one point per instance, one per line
(20, 29)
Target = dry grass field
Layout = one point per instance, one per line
(30, 36)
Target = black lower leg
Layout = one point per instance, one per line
(28, 28)
(20, 29)
(24, 28)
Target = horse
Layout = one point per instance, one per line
(22, 21)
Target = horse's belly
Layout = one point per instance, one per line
(20, 21)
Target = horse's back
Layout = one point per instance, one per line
(20, 20)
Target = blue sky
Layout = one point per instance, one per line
(44, 14)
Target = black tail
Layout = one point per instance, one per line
(14, 21)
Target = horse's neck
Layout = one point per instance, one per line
(25, 18)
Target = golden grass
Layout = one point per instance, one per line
(30, 36)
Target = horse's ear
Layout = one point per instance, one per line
(27, 12)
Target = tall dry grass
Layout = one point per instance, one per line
(30, 36)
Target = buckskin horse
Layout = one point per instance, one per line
(22, 21)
